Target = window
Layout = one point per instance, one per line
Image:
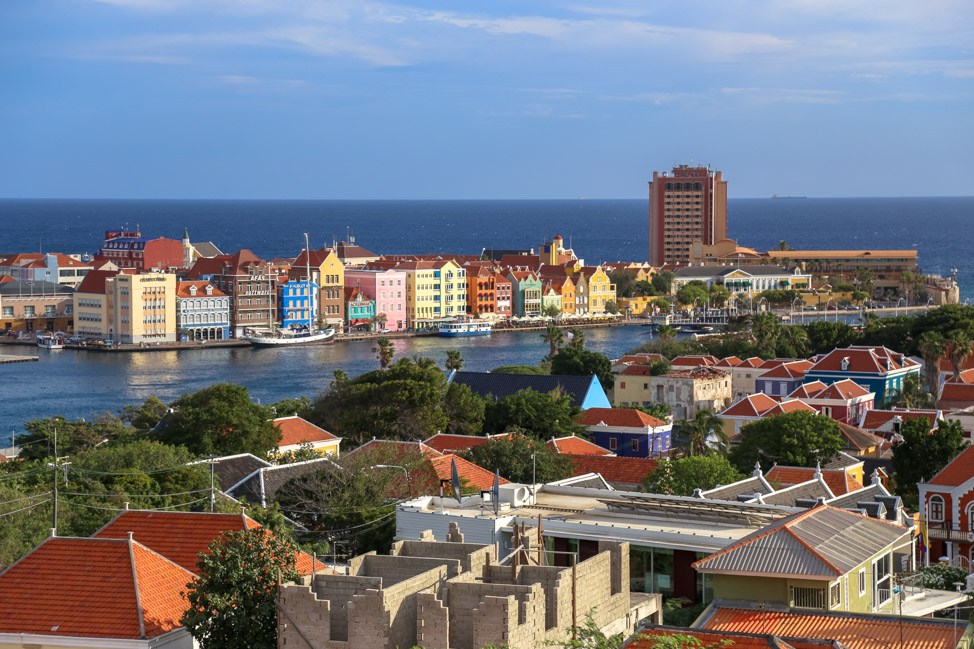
(862, 582)
(936, 508)
(827, 411)
(8, 312)
(882, 580)
(807, 597)
(835, 594)
(635, 445)
(970, 517)
(612, 443)
(29, 312)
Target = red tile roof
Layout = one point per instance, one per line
(875, 419)
(754, 361)
(789, 370)
(807, 390)
(730, 361)
(750, 406)
(621, 470)
(636, 370)
(100, 588)
(94, 281)
(571, 445)
(869, 360)
(618, 417)
(694, 360)
(958, 471)
(446, 443)
(646, 639)
(853, 631)
(956, 394)
(839, 481)
(789, 405)
(642, 359)
(295, 430)
(182, 536)
(843, 390)
(471, 475)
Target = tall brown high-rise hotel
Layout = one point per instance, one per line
(688, 205)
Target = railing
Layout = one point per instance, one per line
(808, 597)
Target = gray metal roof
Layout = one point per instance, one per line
(811, 490)
(34, 289)
(822, 542)
(748, 486)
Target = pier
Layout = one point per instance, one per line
(13, 358)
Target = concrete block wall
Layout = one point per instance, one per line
(464, 598)
(400, 602)
(338, 591)
(305, 621)
(368, 622)
(392, 570)
(355, 563)
(472, 556)
(432, 622)
(549, 578)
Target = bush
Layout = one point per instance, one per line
(943, 576)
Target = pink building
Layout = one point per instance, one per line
(387, 288)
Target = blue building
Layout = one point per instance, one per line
(202, 311)
(879, 369)
(298, 305)
(359, 309)
(782, 380)
(628, 432)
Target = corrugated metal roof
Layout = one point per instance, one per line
(732, 491)
(772, 554)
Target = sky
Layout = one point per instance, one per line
(356, 99)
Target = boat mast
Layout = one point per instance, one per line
(311, 297)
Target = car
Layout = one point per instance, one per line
(810, 307)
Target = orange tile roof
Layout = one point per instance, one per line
(571, 445)
(875, 419)
(471, 475)
(868, 360)
(733, 640)
(790, 405)
(296, 430)
(845, 389)
(730, 361)
(101, 588)
(694, 360)
(958, 471)
(750, 406)
(641, 359)
(754, 361)
(619, 417)
(790, 370)
(957, 393)
(839, 481)
(182, 536)
(853, 631)
(446, 443)
(182, 289)
(623, 470)
(636, 370)
(807, 390)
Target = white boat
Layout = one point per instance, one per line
(304, 335)
(471, 328)
(48, 341)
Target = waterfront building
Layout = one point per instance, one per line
(353, 254)
(129, 249)
(387, 287)
(554, 253)
(564, 288)
(328, 273)
(581, 293)
(503, 291)
(197, 250)
(688, 205)
(144, 307)
(824, 558)
(601, 290)
(360, 310)
(526, 293)
(36, 306)
(92, 312)
(879, 369)
(250, 283)
(202, 311)
(747, 281)
(52, 267)
(298, 301)
(627, 432)
(481, 290)
(583, 392)
(436, 291)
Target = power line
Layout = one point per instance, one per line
(15, 500)
(126, 494)
(23, 509)
(122, 509)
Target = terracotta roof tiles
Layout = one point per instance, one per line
(750, 406)
(571, 445)
(958, 471)
(618, 417)
(619, 470)
(296, 430)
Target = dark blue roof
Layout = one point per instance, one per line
(576, 388)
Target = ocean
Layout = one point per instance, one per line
(599, 230)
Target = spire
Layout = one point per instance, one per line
(757, 470)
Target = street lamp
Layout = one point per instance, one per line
(405, 472)
(897, 307)
(801, 310)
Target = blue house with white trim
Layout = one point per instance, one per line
(298, 304)
(628, 432)
(879, 369)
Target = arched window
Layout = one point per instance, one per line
(935, 508)
(970, 518)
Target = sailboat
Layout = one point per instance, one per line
(307, 334)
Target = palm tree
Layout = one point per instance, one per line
(453, 360)
(704, 433)
(932, 347)
(912, 394)
(384, 351)
(577, 337)
(554, 337)
(666, 333)
(795, 339)
(958, 349)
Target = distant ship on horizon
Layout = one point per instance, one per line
(792, 197)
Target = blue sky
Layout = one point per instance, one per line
(362, 99)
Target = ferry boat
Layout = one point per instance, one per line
(472, 328)
(48, 341)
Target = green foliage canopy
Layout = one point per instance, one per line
(793, 439)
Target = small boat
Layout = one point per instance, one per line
(48, 341)
(471, 328)
(696, 328)
(284, 337)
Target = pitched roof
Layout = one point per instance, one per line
(733, 491)
(729, 361)
(471, 475)
(750, 406)
(449, 443)
(94, 281)
(845, 389)
(297, 430)
(618, 417)
(263, 484)
(789, 370)
(618, 470)
(809, 491)
(876, 419)
(789, 405)
(576, 388)
(645, 639)
(858, 439)
(958, 471)
(867, 360)
(641, 358)
(807, 390)
(571, 445)
(693, 360)
(101, 588)
(854, 631)
(231, 469)
(840, 481)
(637, 370)
(823, 542)
(956, 393)
(182, 289)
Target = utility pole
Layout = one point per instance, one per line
(54, 473)
(212, 491)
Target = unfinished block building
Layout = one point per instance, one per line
(457, 595)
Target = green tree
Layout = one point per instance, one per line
(143, 418)
(454, 362)
(921, 455)
(942, 576)
(703, 434)
(659, 368)
(642, 288)
(589, 636)
(611, 307)
(219, 420)
(551, 311)
(718, 295)
(520, 369)
(625, 281)
(73, 437)
(958, 350)
(824, 336)
(912, 395)
(512, 456)
(691, 293)
(659, 410)
(666, 334)
(793, 439)
(681, 477)
(554, 337)
(234, 597)
(576, 338)
(765, 330)
(384, 352)
(537, 414)
(793, 342)
(576, 361)
(932, 346)
(404, 401)
(663, 281)
(464, 410)
(288, 407)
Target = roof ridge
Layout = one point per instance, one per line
(135, 580)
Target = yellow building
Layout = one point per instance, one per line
(92, 315)
(601, 290)
(328, 272)
(435, 291)
(144, 307)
